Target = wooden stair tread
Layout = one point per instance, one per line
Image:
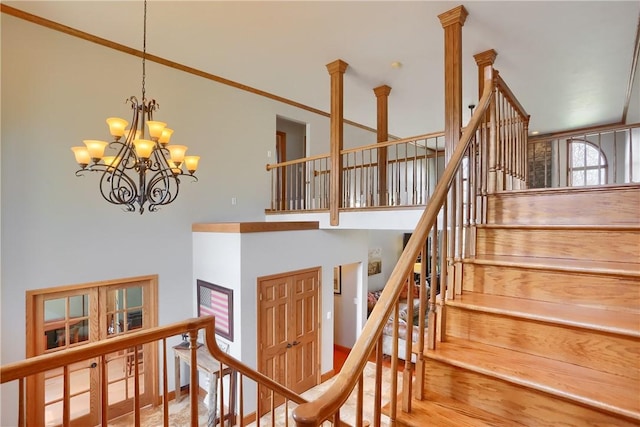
(607, 392)
(442, 411)
(570, 265)
(605, 320)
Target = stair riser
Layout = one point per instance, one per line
(522, 405)
(605, 206)
(594, 245)
(554, 286)
(597, 350)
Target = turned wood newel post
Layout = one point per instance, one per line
(382, 97)
(483, 60)
(336, 70)
(452, 22)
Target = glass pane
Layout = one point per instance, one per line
(134, 319)
(78, 306)
(134, 297)
(53, 414)
(54, 309)
(592, 176)
(577, 178)
(593, 156)
(577, 155)
(53, 385)
(80, 405)
(117, 376)
(79, 380)
(80, 331)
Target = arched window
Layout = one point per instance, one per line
(587, 164)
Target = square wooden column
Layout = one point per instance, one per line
(382, 97)
(336, 70)
(452, 22)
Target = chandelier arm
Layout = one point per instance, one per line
(118, 188)
(163, 188)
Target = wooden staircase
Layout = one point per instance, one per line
(547, 329)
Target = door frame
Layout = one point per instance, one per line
(34, 330)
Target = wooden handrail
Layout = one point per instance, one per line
(34, 365)
(313, 413)
(389, 143)
(297, 161)
(392, 142)
(506, 92)
(245, 370)
(583, 131)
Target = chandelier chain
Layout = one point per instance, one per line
(144, 50)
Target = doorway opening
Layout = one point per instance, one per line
(292, 180)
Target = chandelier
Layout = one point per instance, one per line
(141, 170)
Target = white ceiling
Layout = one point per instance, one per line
(569, 63)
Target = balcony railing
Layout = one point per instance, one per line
(607, 155)
(394, 173)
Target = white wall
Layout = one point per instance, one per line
(236, 261)
(57, 230)
(346, 306)
(391, 244)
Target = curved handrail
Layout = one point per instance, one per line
(245, 370)
(37, 364)
(312, 413)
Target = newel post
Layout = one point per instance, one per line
(336, 70)
(452, 22)
(382, 97)
(483, 60)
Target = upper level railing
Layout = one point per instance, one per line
(596, 156)
(394, 173)
(488, 158)
(20, 371)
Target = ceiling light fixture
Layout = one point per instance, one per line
(142, 170)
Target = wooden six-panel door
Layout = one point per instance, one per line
(288, 332)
